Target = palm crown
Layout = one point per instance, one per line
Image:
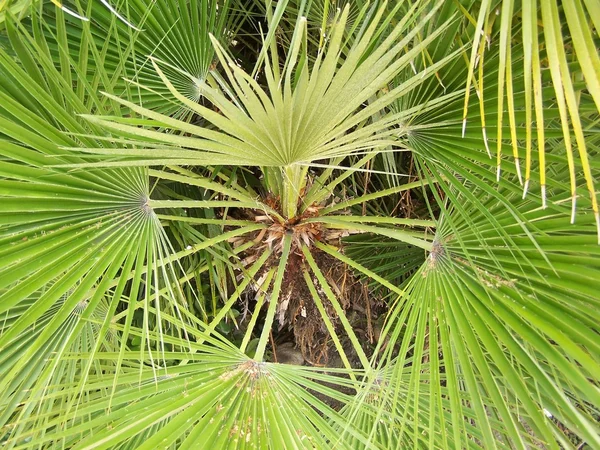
(376, 194)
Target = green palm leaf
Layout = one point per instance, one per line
(76, 241)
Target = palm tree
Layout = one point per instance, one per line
(189, 190)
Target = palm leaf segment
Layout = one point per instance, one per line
(306, 114)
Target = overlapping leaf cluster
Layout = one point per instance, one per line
(137, 147)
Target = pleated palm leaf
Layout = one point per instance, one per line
(76, 245)
(176, 33)
(305, 115)
(502, 327)
(59, 360)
